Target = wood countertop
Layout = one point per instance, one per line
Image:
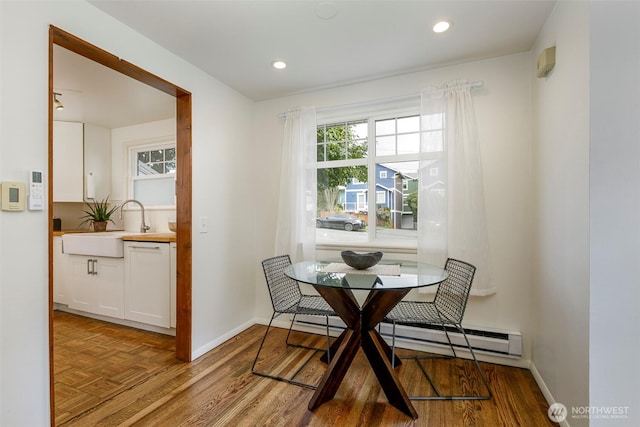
(60, 233)
(151, 237)
(140, 237)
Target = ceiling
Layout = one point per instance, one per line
(328, 43)
(93, 93)
(325, 44)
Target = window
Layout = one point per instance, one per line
(156, 161)
(376, 155)
(362, 202)
(153, 169)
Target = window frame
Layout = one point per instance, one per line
(133, 151)
(371, 160)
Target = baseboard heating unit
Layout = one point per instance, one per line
(482, 340)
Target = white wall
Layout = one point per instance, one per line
(223, 280)
(614, 334)
(561, 207)
(503, 115)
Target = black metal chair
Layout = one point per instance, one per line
(447, 309)
(287, 298)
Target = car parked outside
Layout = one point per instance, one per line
(340, 221)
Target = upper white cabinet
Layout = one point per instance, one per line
(97, 161)
(81, 162)
(68, 161)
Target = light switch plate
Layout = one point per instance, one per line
(204, 224)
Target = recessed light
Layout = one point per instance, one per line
(279, 65)
(441, 26)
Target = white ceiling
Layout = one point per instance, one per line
(236, 42)
(93, 93)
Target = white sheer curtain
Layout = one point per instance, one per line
(295, 229)
(451, 209)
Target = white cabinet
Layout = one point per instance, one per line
(96, 284)
(97, 161)
(60, 294)
(78, 151)
(68, 162)
(147, 283)
(173, 281)
(141, 287)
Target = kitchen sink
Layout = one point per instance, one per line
(107, 244)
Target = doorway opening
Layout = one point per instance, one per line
(183, 186)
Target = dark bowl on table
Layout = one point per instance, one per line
(361, 261)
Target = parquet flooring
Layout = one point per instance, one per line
(94, 361)
(218, 389)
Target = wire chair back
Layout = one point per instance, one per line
(285, 292)
(452, 294)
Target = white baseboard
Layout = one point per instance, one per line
(544, 389)
(221, 339)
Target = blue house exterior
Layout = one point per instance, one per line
(391, 190)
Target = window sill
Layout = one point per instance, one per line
(368, 247)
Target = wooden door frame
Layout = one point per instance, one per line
(183, 185)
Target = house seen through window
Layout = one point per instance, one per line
(368, 178)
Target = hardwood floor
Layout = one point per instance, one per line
(95, 361)
(108, 375)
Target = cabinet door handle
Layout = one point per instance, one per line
(144, 247)
(91, 266)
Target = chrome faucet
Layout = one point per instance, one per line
(143, 227)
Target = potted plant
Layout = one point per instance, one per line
(98, 214)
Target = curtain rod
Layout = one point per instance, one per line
(473, 85)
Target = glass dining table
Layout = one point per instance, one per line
(386, 285)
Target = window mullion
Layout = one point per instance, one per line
(341, 163)
(371, 196)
